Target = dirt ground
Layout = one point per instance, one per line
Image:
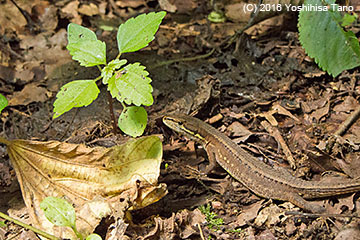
(259, 88)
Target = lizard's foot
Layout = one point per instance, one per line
(307, 206)
(314, 208)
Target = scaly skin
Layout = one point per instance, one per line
(260, 178)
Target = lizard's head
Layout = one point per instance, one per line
(184, 125)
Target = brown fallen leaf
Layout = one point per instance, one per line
(179, 6)
(270, 216)
(98, 181)
(30, 93)
(167, 6)
(181, 225)
(248, 214)
(194, 100)
(352, 233)
(89, 10)
(12, 21)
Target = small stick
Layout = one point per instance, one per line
(316, 215)
(70, 123)
(112, 115)
(186, 59)
(200, 231)
(348, 122)
(248, 25)
(276, 134)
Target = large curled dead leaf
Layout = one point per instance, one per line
(92, 179)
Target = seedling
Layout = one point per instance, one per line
(213, 221)
(61, 213)
(128, 83)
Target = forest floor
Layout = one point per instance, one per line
(261, 89)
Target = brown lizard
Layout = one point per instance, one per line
(260, 178)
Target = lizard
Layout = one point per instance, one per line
(260, 178)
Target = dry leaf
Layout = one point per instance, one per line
(181, 225)
(249, 213)
(92, 179)
(270, 216)
(239, 130)
(167, 6)
(11, 20)
(352, 233)
(71, 11)
(89, 10)
(349, 104)
(179, 6)
(130, 3)
(281, 110)
(30, 93)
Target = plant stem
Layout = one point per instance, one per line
(79, 235)
(24, 225)
(112, 115)
(123, 105)
(98, 78)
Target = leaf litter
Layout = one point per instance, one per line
(264, 71)
(99, 182)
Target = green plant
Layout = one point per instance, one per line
(213, 221)
(61, 213)
(323, 37)
(2, 224)
(129, 84)
(3, 102)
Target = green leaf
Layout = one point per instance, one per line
(3, 224)
(75, 94)
(131, 85)
(108, 71)
(88, 52)
(133, 120)
(323, 39)
(58, 211)
(216, 17)
(137, 32)
(3, 102)
(84, 46)
(348, 19)
(77, 33)
(93, 236)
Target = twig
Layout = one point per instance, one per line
(316, 215)
(70, 123)
(276, 134)
(163, 63)
(248, 25)
(19, 112)
(24, 225)
(33, 26)
(348, 122)
(8, 49)
(201, 232)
